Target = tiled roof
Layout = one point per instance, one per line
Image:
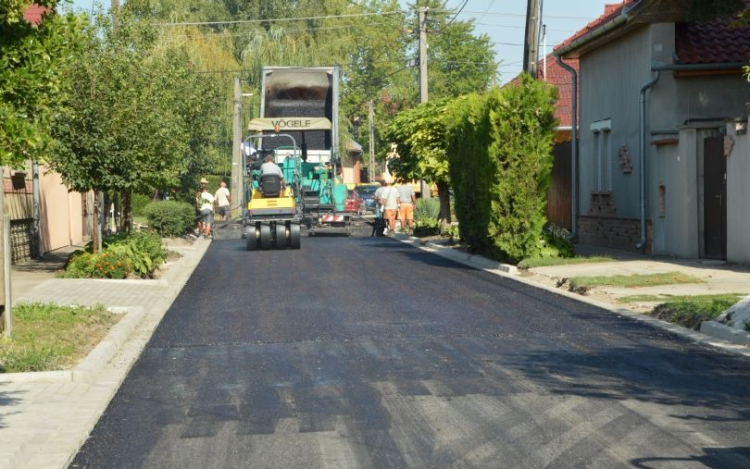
(34, 14)
(611, 11)
(709, 43)
(558, 76)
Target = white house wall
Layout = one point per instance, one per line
(675, 168)
(611, 78)
(738, 198)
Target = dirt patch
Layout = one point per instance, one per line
(178, 242)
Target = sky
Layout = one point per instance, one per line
(504, 21)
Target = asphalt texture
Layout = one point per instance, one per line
(367, 353)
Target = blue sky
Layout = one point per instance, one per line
(504, 22)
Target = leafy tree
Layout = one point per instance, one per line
(31, 61)
(137, 119)
(374, 51)
(420, 138)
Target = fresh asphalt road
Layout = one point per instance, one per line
(368, 353)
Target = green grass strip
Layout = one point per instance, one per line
(48, 337)
(690, 312)
(552, 261)
(634, 281)
(668, 298)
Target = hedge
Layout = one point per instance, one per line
(500, 150)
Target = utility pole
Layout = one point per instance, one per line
(423, 55)
(423, 87)
(236, 151)
(531, 43)
(371, 121)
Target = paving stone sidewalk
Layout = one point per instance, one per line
(43, 422)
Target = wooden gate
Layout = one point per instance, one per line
(558, 196)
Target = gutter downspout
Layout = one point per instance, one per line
(642, 144)
(573, 151)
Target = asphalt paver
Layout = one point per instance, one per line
(367, 353)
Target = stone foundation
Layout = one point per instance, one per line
(613, 232)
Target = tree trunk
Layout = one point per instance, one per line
(445, 203)
(96, 233)
(126, 211)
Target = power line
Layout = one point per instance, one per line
(285, 19)
(515, 15)
(458, 13)
(485, 11)
(509, 26)
(312, 28)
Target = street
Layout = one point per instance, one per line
(367, 353)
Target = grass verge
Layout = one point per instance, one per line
(632, 281)
(552, 261)
(670, 298)
(49, 337)
(690, 312)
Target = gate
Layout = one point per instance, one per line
(558, 196)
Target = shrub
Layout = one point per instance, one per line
(427, 227)
(450, 231)
(144, 249)
(427, 209)
(105, 264)
(139, 253)
(554, 243)
(139, 203)
(170, 218)
(500, 150)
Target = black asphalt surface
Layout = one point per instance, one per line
(368, 353)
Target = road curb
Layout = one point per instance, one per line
(511, 272)
(108, 347)
(723, 332)
(473, 260)
(105, 369)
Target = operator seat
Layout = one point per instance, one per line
(270, 185)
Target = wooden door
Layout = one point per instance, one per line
(715, 197)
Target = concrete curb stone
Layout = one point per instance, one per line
(723, 332)
(511, 272)
(96, 379)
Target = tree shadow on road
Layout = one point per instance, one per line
(697, 382)
(712, 458)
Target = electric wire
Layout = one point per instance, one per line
(456, 15)
(515, 15)
(277, 20)
(485, 11)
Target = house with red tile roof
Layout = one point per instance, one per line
(664, 157)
